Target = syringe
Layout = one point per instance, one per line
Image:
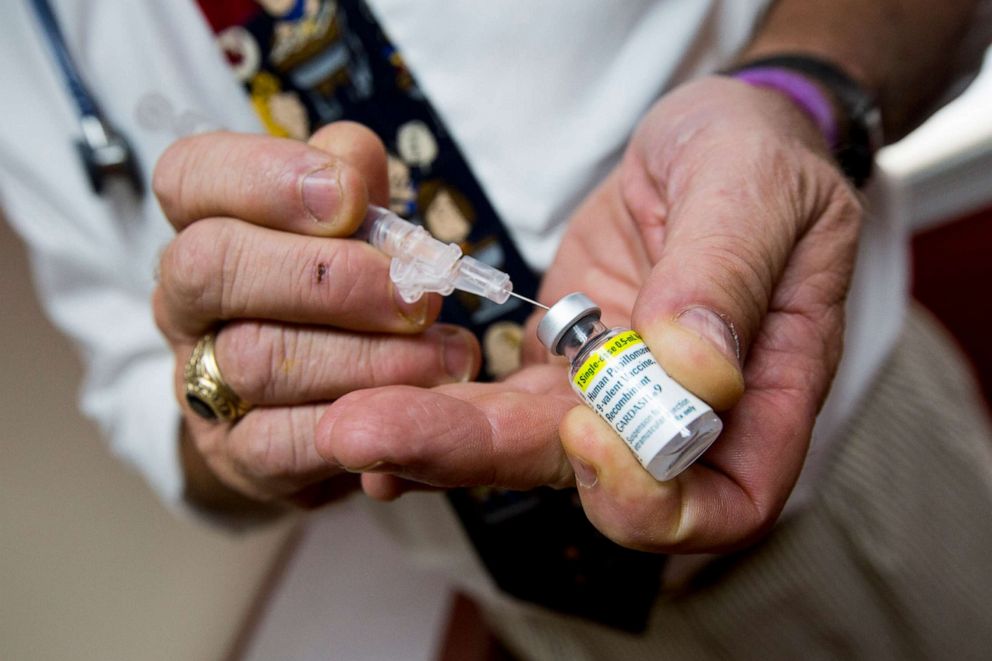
(420, 263)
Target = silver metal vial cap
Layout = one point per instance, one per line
(563, 316)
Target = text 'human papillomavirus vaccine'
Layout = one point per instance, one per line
(665, 426)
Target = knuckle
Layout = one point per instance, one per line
(245, 358)
(371, 362)
(261, 451)
(845, 212)
(189, 268)
(739, 270)
(363, 365)
(257, 455)
(174, 175)
(235, 284)
(302, 361)
(167, 173)
(161, 314)
(209, 174)
(268, 361)
(765, 516)
(276, 450)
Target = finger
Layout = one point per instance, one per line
(326, 491)
(361, 148)
(267, 454)
(727, 241)
(701, 509)
(793, 360)
(220, 269)
(736, 491)
(385, 487)
(270, 364)
(274, 182)
(469, 434)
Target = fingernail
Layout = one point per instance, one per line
(459, 354)
(585, 474)
(715, 329)
(322, 193)
(414, 313)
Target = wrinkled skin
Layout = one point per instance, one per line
(725, 205)
(725, 200)
(306, 315)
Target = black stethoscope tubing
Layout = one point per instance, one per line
(103, 150)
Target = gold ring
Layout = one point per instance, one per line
(206, 392)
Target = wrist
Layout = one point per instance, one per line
(805, 95)
(842, 110)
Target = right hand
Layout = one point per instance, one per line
(302, 314)
(727, 205)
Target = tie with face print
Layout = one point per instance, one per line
(305, 63)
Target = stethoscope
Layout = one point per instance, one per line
(104, 151)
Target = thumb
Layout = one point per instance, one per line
(724, 181)
(699, 348)
(704, 300)
(358, 146)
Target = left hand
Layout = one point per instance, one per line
(725, 233)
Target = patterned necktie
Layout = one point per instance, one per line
(305, 63)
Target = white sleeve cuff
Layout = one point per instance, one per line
(140, 417)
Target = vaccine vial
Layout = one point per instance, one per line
(612, 370)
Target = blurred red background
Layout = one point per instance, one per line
(952, 277)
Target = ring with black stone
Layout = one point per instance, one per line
(207, 394)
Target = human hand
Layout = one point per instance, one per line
(743, 235)
(726, 231)
(304, 315)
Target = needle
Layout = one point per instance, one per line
(532, 302)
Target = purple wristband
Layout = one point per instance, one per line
(804, 93)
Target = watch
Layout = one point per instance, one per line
(857, 116)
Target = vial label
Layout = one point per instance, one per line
(648, 409)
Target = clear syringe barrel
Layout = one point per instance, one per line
(420, 263)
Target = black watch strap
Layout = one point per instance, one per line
(860, 122)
